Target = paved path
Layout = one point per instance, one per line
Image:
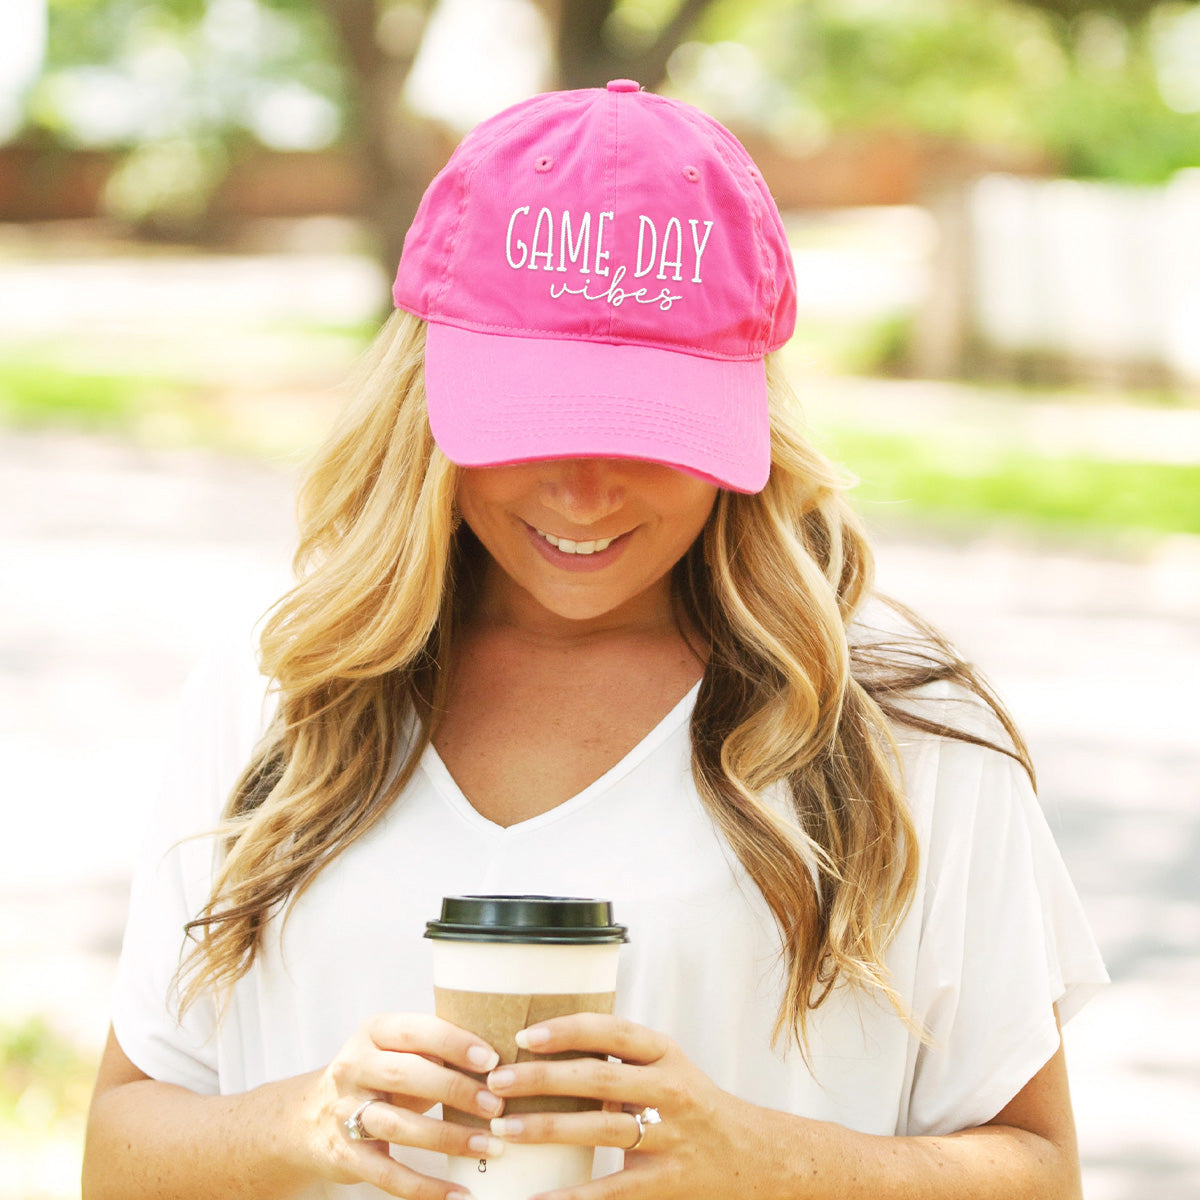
(118, 565)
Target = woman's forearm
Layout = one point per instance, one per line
(1027, 1152)
(829, 1162)
(148, 1139)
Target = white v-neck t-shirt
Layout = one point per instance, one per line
(995, 936)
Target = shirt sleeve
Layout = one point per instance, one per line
(220, 718)
(1003, 940)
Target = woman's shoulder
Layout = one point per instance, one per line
(932, 697)
(222, 713)
(227, 689)
(961, 714)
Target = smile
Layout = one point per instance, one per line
(566, 546)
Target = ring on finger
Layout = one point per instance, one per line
(354, 1124)
(644, 1118)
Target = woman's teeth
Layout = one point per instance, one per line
(569, 547)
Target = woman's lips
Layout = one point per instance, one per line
(595, 561)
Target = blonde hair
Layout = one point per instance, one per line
(792, 747)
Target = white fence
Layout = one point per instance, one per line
(1094, 273)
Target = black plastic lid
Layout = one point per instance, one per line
(554, 919)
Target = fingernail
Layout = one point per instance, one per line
(489, 1103)
(507, 1126)
(480, 1143)
(482, 1057)
(459, 1196)
(501, 1078)
(535, 1035)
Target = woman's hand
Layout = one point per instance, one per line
(710, 1144)
(404, 1063)
(701, 1146)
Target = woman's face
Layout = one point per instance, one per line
(585, 538)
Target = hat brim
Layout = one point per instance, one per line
(496, 400)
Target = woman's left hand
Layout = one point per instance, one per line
(701, 1147)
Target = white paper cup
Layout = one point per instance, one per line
(500, 964)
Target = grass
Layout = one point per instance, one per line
(34, 393)
(923, 478)
(910, 476)
(863, 347)
(156, 410)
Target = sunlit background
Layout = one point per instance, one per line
(994, 207)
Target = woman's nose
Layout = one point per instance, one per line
(583, 490)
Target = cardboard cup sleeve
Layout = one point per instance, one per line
(498, 1017)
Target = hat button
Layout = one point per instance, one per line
(624, 85)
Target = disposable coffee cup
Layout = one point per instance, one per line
(501, 964)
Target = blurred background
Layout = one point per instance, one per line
(995, 211)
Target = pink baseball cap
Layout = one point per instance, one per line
(602, 272)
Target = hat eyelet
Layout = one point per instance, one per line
(543, 164)
(691, 174)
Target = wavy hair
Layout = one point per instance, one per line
(792, 745)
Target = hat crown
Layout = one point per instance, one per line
(609, 215)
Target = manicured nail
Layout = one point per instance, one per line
(501, 1078)
(507, 1126)
(480, 1143)
(482, 1057)
(535, 1035)
(489, 1103)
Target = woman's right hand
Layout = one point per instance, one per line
(407, 1062)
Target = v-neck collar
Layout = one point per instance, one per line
(448, 789)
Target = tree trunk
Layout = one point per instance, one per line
(399, 150)
(589, 58)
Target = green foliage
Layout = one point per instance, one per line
(1079, 80)
(44, 1079)
(184, 86)
(1107, 118)
(1083, 87)
(932, 66)
(124, 73)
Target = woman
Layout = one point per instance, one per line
(581, 612)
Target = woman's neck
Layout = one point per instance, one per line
(503, 604)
